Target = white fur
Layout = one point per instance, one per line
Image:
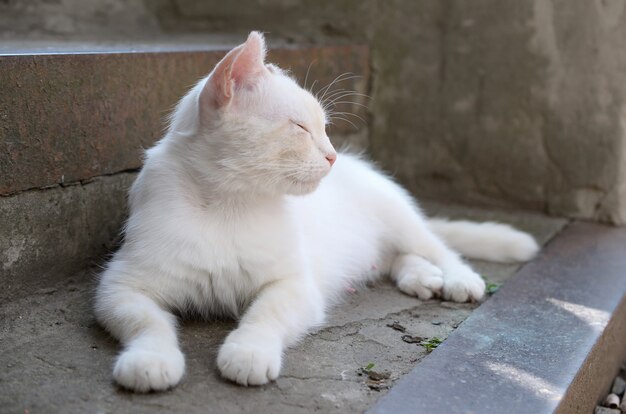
(487, 241)
(230, 216)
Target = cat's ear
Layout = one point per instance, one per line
(241, 67)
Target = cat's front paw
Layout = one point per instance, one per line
(462, 284)
(147, 370)
(249, 361)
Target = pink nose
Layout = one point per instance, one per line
(331, 158)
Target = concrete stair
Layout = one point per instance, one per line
(72, 126)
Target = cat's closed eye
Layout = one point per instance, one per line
(299, 125)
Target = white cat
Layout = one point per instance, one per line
(244, 209)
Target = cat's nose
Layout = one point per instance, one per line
(331, 158)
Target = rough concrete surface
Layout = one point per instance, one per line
(56, 359)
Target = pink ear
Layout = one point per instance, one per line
(250, 63)
(241, 67)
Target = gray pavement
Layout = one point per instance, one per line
(55, 358)
(550, 341)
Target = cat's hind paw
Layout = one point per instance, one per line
(416, 276)
(462, 284)
(249, 363)
(146, 370)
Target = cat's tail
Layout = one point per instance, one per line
(490, 241)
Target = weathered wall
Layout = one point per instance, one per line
(75, 19)
(508, 102)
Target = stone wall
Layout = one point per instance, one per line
(76, 20)
(499, 102)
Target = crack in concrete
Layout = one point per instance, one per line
(321, 378)
(368, 320)
(81, 182)
(53, 365)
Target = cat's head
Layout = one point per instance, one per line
(264, 132)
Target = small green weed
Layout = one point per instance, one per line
(490, 287)
(431, 343)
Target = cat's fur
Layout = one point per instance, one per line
(238, 212)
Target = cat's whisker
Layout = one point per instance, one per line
(326, 101)
(341, 78)
(342, 113)
(351, 103)
(329, 105)
(337, 92)
(351, 93)
(333, 81)
(331, 113)
(328, 88)
(342, 90)
(351, 114)
(312, 87)
(354, 94)
(306, 77)
(347, 120)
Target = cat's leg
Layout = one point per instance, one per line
(423, 258)
(429, 260)
(151, 359)
(282, 313)
(460, 282)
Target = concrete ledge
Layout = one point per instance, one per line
(544, 343)
(72, 116)
(47, 235)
